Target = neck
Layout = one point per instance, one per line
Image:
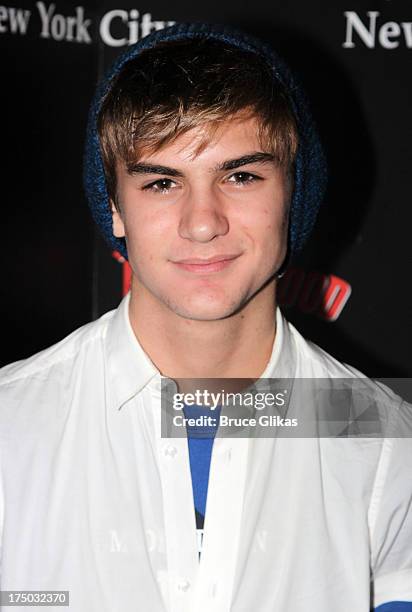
(238, 346)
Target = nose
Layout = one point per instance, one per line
(203, 216)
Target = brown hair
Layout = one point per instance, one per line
(177, 86)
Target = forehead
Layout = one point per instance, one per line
(231, 137)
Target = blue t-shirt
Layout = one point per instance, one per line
(200, 442)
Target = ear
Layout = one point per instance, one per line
(118, 225)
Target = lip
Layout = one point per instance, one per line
(210, 264)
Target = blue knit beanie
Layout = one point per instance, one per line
(310, 166)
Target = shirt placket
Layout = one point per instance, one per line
(222, 530)
(179, 515)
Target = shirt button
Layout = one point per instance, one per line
(170, 451)
(183, 585)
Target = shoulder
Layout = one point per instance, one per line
(373, 404)
(313, 361)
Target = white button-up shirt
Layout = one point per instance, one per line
(96, 502)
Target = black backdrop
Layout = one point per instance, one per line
(355, 61)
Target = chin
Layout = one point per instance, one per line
(206, 311)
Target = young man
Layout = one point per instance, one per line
(204, 169)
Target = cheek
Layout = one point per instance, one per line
(277, 220)
(147, 232)
(266, 228)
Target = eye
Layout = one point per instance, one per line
(243, 178)
(160, 186)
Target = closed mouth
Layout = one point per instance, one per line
(212, 264)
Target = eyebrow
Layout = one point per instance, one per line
(230, 164)
(142, 168)
(250, 158)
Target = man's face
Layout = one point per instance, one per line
(179, 210)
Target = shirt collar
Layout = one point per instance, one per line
(130, 369)
(128, 366)
(282, 362)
